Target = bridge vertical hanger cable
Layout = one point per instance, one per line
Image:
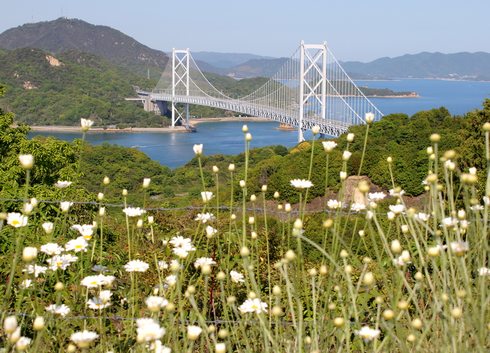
(310, 88)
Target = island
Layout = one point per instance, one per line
(386, 93)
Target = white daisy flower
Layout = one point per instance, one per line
(84, 339)
(61, 184)
(253, 306)
(79, 244)
(204, 261)
(61, 310)
(301, 183)
(134, 211)
(136, 266)
(367, 333)
(237, 277)
(51, 249)
(16, 219)
(204, 217)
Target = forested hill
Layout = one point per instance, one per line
(469, 66)
(66, 34)
(44, 89)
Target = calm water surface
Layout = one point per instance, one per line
(459, 97)
(175, 149)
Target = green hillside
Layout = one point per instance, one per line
(46, 90)
(65, 34)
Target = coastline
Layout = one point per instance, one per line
(177, 129)
(60, 128)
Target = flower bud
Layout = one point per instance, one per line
(197, 148)
(396, 246)
(417, 323)
(298, 223)
(139, 223)
(277, 310)
(206, 269)
(338, 321)
(456, 313)
(26, 161)
(244, 251)
(435, 138)
(369, 117)
(10, 324)
(388, 314)
(220, 347)
(38, 324)
(14, 336)
(402, 305)
(29, 253)
(346, 155)
(368, 279)
(290, 255)
(48, 227)
(221, 276)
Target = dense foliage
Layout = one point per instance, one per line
(73, 85)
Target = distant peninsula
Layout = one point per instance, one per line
(386, 93)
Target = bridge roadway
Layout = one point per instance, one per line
(328, 126)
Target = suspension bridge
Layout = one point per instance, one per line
(311, 88)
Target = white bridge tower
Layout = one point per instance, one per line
(180, 84)
(313, 83)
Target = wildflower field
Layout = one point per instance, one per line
(244, 274)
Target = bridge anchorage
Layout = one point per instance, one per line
(310, 88)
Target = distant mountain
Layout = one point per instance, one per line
(66, 34)
(47, 89)
(459, 66)
(257, 68)
(471, 66)
(225, 60)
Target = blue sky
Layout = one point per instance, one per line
(354, 29)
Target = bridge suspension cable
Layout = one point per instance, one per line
(310, 88)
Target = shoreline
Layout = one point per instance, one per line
(168, 129)
(60, 128)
